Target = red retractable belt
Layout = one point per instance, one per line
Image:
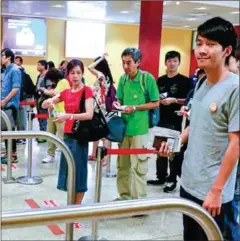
(129, 151)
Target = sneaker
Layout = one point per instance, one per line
(41, 140)
(21, 141)
(48, 159)
(170, 187)
(155, 182)
(14, 159)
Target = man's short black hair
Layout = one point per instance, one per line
(20, 59)
(51, 64)
(44, 63)
(133, 52)
(219, 30)
(8, 53)
(53, 75)
(172, 54)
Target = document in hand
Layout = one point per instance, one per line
(159, 134)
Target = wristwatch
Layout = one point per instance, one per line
(71, 117)
(134, 108)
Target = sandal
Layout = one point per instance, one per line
(104, 162)
(91, 158)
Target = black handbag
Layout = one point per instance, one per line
(90, 130)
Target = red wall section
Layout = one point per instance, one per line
(237, 29)
(150, 35)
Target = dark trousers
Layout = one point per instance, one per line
(13, 113)
(175, 165)
(232, 227)
(42, 122)
(191, 229)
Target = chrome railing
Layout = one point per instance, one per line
(9, 178)
(112, 210)
(69, 158)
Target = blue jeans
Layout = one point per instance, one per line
(231, 225)
(80, 155)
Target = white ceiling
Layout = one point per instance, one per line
(179, 14)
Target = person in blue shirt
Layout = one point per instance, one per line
(10, 93)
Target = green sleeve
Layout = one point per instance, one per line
(152, 88)
(120, 90)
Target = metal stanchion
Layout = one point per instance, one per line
(101, 152)
(29, 179)
(9, 179)
(108, 172)
(71, 185)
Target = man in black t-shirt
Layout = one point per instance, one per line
(173, 88)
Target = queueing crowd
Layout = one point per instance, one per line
(207, 164)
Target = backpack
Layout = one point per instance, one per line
(27, 86)
(154, 114)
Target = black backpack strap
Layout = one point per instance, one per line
(200, 82)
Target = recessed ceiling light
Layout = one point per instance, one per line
(124, 12)
(191, 19)
(37, 13)
(177, 2)
(186, 26)
(235, 12)
(58, 6)
(201, 8)
(25, 2)
(197, 14)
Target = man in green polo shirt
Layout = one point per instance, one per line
(131, 175)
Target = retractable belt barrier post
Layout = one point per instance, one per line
(101, 152)
(29, 179)
(9, 179)
(108, 172)
(71, 167)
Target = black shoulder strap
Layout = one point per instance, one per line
(200, 82)
(83, 100)
(82, 108)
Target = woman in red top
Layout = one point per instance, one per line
(71, 98)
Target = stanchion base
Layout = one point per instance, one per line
(109, 174)
(11, 180)
(29, 181)
(88, 238)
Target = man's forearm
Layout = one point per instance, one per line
(184, 135)
(11, 94)
(148, 106)
(229, 162)
(180, 101)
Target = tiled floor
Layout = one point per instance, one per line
(157, 226)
